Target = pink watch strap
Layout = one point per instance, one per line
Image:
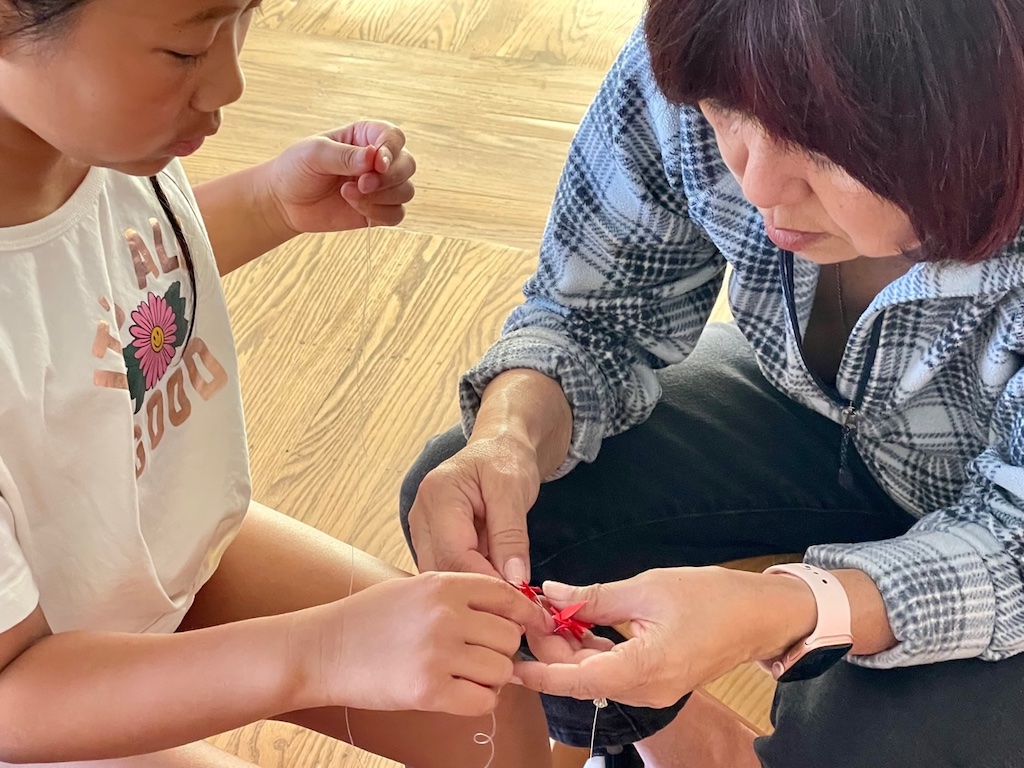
(833, 627)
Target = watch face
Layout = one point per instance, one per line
(815, 663)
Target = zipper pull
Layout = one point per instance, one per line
(850, 419)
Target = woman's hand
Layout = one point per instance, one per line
(436, 642)
(342, 179)
(689, 626)
(470, 512)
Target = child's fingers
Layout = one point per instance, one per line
(466, 698)
(382, 215)
(494, 632)
(388, 210)
(401, 194)
(398, 176)
(369, 183)
(482, 666)
(401, 168)
(390, 142)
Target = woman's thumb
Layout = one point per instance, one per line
(605, 604)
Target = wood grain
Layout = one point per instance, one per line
(490, 135)
(279, 745)
(575, 32)
(342, 393)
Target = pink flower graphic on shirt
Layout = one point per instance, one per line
(155, 332)
(159, 329)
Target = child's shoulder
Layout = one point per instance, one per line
(105, 201)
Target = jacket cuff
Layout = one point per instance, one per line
(937, 588)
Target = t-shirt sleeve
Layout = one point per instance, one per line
(19, 595)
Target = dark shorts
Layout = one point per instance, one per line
(729, 468)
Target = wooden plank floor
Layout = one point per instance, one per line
(490, 93)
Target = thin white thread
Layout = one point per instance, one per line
(487, 739)
(482, 739)
(599, 704)
(364, 416)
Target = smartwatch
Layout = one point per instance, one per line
(831, 639)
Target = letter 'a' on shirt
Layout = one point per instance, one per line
(123, 463)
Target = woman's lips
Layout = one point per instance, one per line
(792, 239)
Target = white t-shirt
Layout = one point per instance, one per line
(124, 472)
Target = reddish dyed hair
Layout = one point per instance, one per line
(922, 101)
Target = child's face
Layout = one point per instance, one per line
(130, 84)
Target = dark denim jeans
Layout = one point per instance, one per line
(728, 468)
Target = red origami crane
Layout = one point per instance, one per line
(531, 592)
(565, 623)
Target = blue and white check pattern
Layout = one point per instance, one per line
(645, 220)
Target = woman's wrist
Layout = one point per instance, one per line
(786, 613)
(869, 617)
(531, 409)
(783, 612)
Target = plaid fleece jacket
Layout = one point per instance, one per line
(931, 387)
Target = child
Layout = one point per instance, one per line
(144, 603)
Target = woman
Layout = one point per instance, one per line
(859, 165)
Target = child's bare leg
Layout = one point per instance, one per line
(277, 565)
(421, 740)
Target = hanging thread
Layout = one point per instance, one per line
(482, 739)
(487, 739)
(364, 421)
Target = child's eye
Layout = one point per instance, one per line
(186, 58)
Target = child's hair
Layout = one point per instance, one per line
(40, 18)
(186, 255)
(922, 101)
(43, 18)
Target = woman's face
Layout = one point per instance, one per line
(810, 206)
(129, 84)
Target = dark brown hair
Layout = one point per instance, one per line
(922, 101)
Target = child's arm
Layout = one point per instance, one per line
(92, 696)
(430, 642)
(327, 183)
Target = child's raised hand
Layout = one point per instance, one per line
(439, 642)
(339, 180)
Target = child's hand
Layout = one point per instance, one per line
(341, 179)
(439, 642)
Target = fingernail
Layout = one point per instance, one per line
(386, 158)
(558, 591)
(515, 570)
(516, 680)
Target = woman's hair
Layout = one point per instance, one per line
(44, 18)
(922, 101)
